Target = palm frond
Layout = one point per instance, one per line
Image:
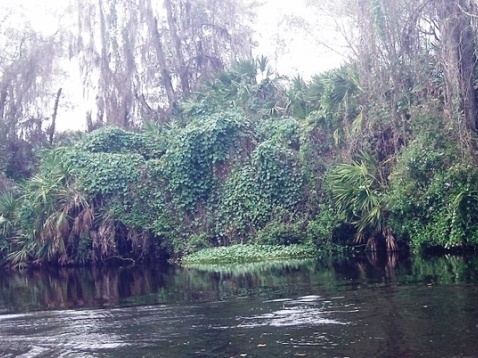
(358, 196)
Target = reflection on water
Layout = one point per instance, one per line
(370, 306)
(304, 311)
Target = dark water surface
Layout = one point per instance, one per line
(330, 308)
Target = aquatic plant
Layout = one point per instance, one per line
(248, 253)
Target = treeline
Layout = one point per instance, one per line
(380, 152)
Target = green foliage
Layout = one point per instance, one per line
(439, 208)
(286, 131)
(281, 233)
(118, 140)
(51, 214)
(201, 156)
(76, 208)
(332, 96)
(248, 253)
(241, 207)
(278, 175)
(358, 193)
(269, 188)
(247, 161)
(320, 230)
(296, 97)
(105, 173)
(247, 86)
(333, 119)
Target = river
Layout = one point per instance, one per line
(354, 307)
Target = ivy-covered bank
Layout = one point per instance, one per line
(211, 150)
(119, 195)
(252, 160)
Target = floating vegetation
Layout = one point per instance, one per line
(249, 253)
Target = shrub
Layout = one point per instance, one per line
(117, 140)
(267, 190)
(359, 195)
(282, 233)
(441, 211)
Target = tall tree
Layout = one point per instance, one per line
(458, 31)
(138, 57)
(28, 75)
(407, 52)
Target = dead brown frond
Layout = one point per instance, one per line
(83, 222)
(104, 240)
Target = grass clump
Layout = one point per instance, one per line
(248, 253)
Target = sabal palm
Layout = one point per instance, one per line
(358, 193)
(295, 98)
(53, 212)
(7, 220)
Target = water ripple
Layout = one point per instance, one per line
(303, 311)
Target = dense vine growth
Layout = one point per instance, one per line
(380, 153)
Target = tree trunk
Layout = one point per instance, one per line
(459, 61)
(52, 128)
(178, 58)
(165, 75)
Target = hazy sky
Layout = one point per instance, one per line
(301, 53)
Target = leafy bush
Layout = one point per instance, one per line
(438, 211)
(281, 233)
(359, 195)
(241, 208)
(118, 140)
(105, 173)
(281, 130)
(321, 230)
(201, 156)
(278, 175)
(434, 192)
(266, 190)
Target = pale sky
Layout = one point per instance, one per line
(302, 54)
(297, 54)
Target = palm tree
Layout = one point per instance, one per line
(359, 195)
(7, 220)
(296, 98)
(53, 214)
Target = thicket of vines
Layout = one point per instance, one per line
(379, 153)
